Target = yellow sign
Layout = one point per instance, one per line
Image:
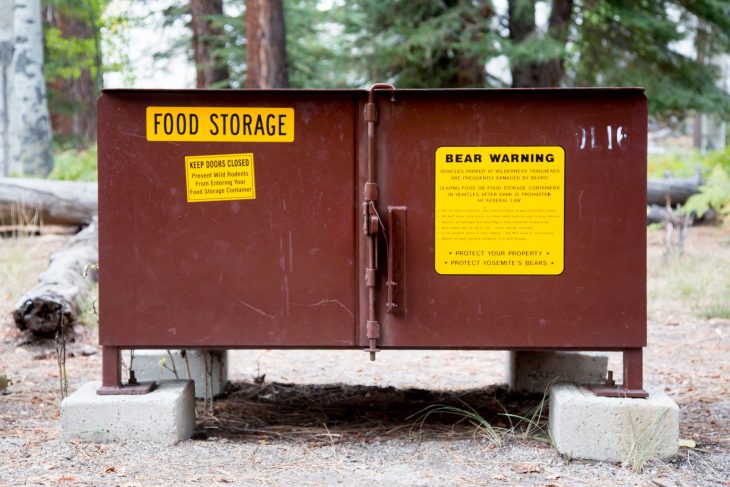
(500, 210)
(220, 124)
(220, 178)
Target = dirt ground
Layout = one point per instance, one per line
(342, 420)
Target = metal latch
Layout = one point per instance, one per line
(371, 219)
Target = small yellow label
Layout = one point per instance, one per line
(220, 124)
(500, 210)
(220, 178)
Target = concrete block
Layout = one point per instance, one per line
(165, 415)
(534, 371)
(147, 367)
(583, 425)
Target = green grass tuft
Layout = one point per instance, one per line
(75, 165)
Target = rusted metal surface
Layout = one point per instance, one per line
(396, 259)
(310, 262)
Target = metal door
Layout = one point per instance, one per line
(595, 300)
(277, 270)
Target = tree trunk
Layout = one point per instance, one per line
(7, 48)
(46, 202)
(266, 45)
(471, 69)
(553, 70)
(56, 300)
(30, 128)
(521, 25)
(74, 114)
(590, 54)
(472, 72)
(209, 68)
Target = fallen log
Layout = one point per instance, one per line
(659, 214)
(55, 301)
(656, 214)
(46, 202)
(677, 191)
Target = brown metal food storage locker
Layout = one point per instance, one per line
(380, 219)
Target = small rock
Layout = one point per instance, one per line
(79, 329)
(89, 350)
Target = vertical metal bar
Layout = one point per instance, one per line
(371, 149)
(370, 195)
(370, 225)
(633, 369)
(111, 367)
(372, 324)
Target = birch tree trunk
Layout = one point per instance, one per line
(266, 45)
(6, 59)
(30, 128)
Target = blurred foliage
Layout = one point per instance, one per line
(176, 12)
(115, 36)
(419, 43)
(714, 167)
(444, 43)
(714, 193)
(317, 56)
(687, 164)
(635, 43)
(68, 55)
(73, 65)
(313, 56)
(75, 165)
(680, 165)
(77, 37)
(448, 43)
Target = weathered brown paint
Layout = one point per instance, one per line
(288, 268)
(275, 271)
(600, 298)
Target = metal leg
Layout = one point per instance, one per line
(633, 377)
(111, 375)
(634, 372)
(111, 367)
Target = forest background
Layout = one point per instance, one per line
(676, 49)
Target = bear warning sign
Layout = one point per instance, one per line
(500, 210)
